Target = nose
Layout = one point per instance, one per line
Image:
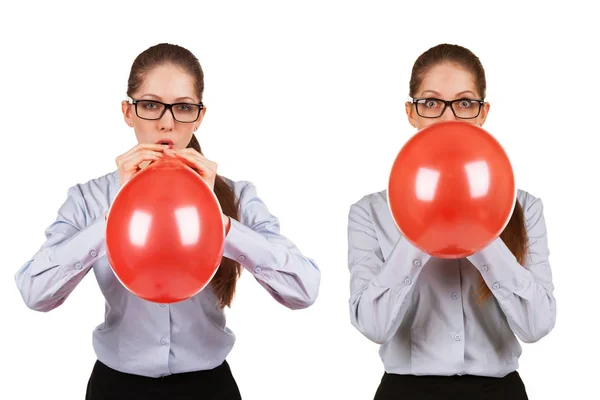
(448, 115)
(166, 122)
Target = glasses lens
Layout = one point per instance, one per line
(149, 109)
(186, 112)
(430, 108)
(466, 108)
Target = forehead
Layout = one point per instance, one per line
(168, 82)
(448, 80)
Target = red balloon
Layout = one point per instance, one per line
(164, 233)
(451, 189)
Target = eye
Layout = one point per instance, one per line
(431, 103)
(184, 107)
(149, 105)
(465, 103)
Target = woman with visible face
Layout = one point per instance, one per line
(179, 350)
(449, 327)
(447, 92)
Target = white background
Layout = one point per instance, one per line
(306, 100)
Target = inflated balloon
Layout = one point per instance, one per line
(164, 234)
(451, 189)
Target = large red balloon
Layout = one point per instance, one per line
(164, 233)
(451, 189)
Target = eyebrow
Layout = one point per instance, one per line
(160, 98)
(457, 95)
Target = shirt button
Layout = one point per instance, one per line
(496, 286)
(485, 267)
(457, 337)
(241, 258)
(93, 253)
(78, 265)
(416, 263)
(407, 281)
(163, 341)
(455, 295)
(257, 270)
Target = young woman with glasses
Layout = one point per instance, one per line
(449, 329)
(165, 351)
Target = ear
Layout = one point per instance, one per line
(484, 113)
(127, 114)
(410, 113)
(200, 118)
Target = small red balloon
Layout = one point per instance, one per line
(164, 233)
(451, 189)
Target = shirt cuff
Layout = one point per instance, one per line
(500, 269)
(79, 252)
(403, 266)
(249, 248)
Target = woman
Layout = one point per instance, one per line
(449, 328)
(158, 351)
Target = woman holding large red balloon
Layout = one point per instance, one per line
(449, 267)
(167, 238)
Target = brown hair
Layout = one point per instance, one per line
(225, 279)
(515, 233)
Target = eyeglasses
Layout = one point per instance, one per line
(434, 108)
(153, 110)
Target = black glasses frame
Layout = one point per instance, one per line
(166, 107)
(447, 103)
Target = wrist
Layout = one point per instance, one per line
(226, 223)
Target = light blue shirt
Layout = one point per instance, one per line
(422, 310)
(142, 337)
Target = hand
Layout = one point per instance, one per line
(206, 168)
(226, 223)
(130, 162)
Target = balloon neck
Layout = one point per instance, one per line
(168, 161)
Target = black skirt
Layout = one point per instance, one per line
(465, 387)
(217, 384)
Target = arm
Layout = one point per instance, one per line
(525, 293)
(274, 261)
(380, 291)
(72, 245)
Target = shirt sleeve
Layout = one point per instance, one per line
(525, 293)
(380, 290)
(275, 262)
(71, 247)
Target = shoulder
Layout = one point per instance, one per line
(242, 189)
(533, 207)
(370, 204)
(371, 199)
(96, 194)
(526, 199)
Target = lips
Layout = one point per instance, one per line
(167, 142)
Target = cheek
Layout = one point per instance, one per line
(183, 136)
(425, 122)
(143, 131)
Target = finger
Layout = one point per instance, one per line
(201, 164)
(144, 146)
(133, 161)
